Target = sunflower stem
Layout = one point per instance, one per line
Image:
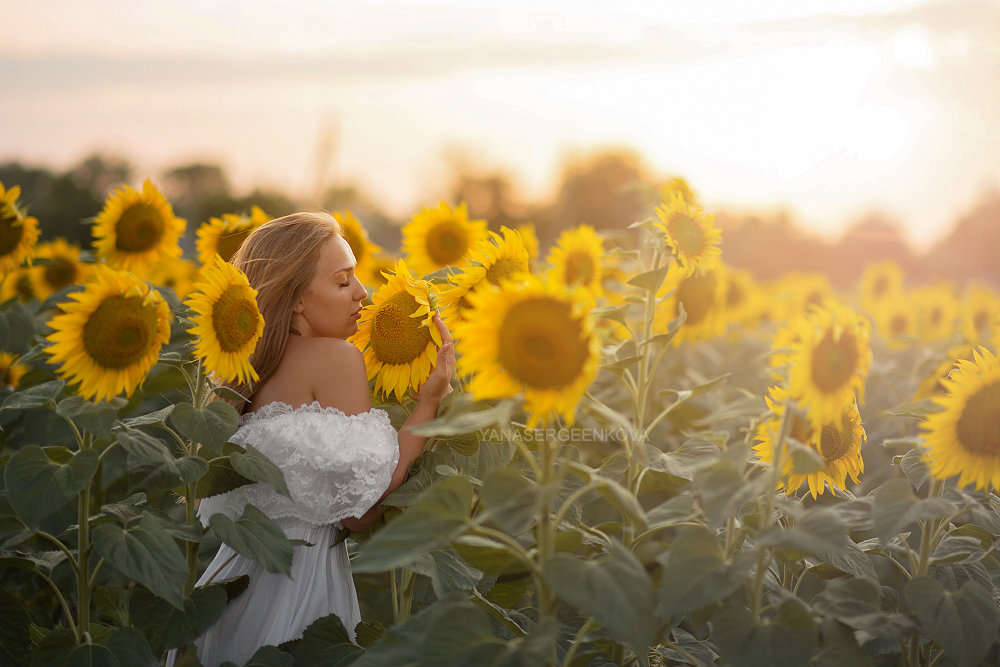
(83, 582)
(545, 535)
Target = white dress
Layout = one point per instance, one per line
(336, 466)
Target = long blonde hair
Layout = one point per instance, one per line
(279, 259)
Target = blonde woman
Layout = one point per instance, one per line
(311, 415)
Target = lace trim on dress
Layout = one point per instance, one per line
(335, 465)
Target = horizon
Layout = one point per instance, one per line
(782, 106)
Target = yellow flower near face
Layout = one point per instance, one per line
(963, 439)
(224, 236)
(576, 260)
(227, 321)
(532, 338)
(18, 232)
(62, 268)
(703, 297)
(440, 237)
(364, 250)
(829, 361)
(397, 334)
(109, 336)
(692, 236)
(136, 230)
(838, 442)
(498, 258)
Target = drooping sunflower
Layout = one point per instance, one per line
(397, 333)
(881, 281)
(227, 321)
(829, 361)
(980, 314)
(532, 338)
(576, 260)
(135, 230)
(499, 257)
(224, 236)
(837, 441)
(440, 237)
(364, 250)
(18, 232)
(110, 334)
(11, 371)
(61, 267)
(964, 437)
(690, 233)
(703, 297)
(937, 311)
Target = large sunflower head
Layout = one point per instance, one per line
(829, 361)
(18, 232)
(224, 236)
(61, 267)
(963, 438)
(691, 235)
(227, 322)
(498, 258)
(135, 230)
(880, 282)
(532, 338)
(364, 250)
(397, 333)
(937, 312)
(440, 237)
(838, 442)
(702, 296)
(576, 260)
(110, 334)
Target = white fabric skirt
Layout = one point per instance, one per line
(275, 608)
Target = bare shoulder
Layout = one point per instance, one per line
(332, 370)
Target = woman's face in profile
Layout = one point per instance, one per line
(331, 304)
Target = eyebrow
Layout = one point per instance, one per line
(346, 269)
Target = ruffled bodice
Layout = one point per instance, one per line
(335, 465)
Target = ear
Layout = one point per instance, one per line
(299, 307)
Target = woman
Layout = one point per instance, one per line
(311, 415)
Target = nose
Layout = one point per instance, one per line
(360, 293)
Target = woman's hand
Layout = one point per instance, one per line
(438, 383)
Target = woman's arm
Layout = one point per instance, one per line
(429, 398)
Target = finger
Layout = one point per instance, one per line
(445, 334)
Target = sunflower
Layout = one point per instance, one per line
(964, 437)
(499, 257)
(110, 334)
(18, 232)
(224, 236)
(691, 234)
(937, 310)
(440, 237)
(529, 337)
(61, 268)
(397, 333)
(933, 382)
(829, 361)
(19, 284)
(382, 264)
(530, 238)
(744, 308)
(10, 370)
(837, 441)
(703, 297)
(364, 250)
(178, 274)
(880, 282)
(576, 260)
(227, 322)
(980, 314)
(678, 187)
(135, 230)
(898, 320)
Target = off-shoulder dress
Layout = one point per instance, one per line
(336, 466)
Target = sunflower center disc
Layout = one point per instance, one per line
(687, 233)
(228, 244)
(120, 331)
(398, 338)
(446, 243)
(505, 267)
(139, 229)
(234, 318)
(834, 361)
(10, 232)
(580, 268)
(60, 272)
(978, 428)
(25, 290)
(834, 442)
(541, 344)
(697, 293)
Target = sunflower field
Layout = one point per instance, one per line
(650, 457)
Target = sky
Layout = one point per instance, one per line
(825, 110)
